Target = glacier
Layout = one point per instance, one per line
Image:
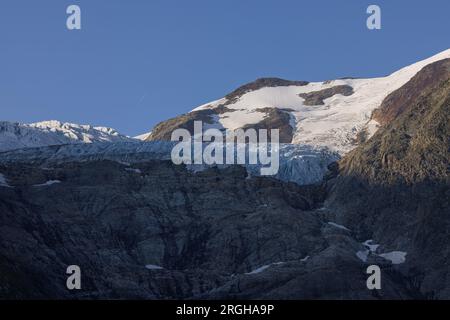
(301, 164)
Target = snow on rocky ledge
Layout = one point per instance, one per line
(47, 183)
(4, 181)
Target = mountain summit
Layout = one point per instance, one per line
(16, 135)
(335, 113)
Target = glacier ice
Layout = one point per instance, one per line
(300, 164)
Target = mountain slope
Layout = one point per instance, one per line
(334, 114)
(395, 188)
(414, 144)
(16, 135)
(154, 230)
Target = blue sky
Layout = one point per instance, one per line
(138, 62)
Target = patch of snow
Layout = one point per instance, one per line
(143, 136)
(371, 246)
(4, 181)
(371, 127)
(304, 259)
(261, 269)
(133, 170)
(240, 117)
(362, 255)
(339, 226)
(396, 257)
(212, 104)
(48, 183)
(153, 267)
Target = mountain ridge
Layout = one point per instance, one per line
(332, 113)
(14, 135)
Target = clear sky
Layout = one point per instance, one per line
(138, 62)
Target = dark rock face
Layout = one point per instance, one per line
(316, 98)
(163, 130)
(207, 230)
(423, 82)
(275, 119)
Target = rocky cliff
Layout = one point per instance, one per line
(156, 230)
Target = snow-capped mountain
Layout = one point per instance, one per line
(17, 135)
(385, 204)
(143, 136)
(336, 114)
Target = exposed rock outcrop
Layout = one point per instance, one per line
(163, 130)
(159, 231)
(422, 83)
(278, 119)
(316, 98)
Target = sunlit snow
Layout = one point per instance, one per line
(334, 124)
(396, 257)
(153, 267)
(339, 226)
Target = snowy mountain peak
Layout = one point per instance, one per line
(87, 133)
(334, 114)
(53, 132)
(142, 137)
